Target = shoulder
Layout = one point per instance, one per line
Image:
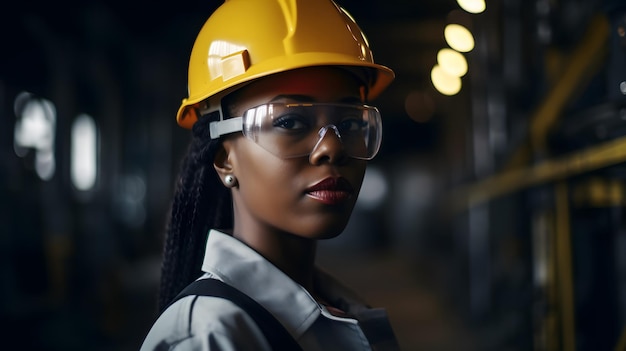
(204, 323)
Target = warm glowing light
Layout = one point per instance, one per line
(84, 166)
(472, 6)
(452, 62)
(444, 82)
(459, 38)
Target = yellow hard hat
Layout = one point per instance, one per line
(248, 39)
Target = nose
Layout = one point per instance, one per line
(329, 148)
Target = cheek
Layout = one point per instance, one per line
(265, 179)
(269, 177)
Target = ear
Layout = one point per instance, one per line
(221, 162)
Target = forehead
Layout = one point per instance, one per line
(318, 84)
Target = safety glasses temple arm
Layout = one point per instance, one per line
(231, 125)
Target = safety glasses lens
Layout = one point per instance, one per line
(293, 130)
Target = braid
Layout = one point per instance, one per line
(200, 202)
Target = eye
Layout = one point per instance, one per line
(351, 125)
(291, 122)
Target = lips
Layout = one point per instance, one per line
(331, 191)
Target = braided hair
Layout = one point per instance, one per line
(200, 203)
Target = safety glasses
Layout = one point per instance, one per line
(296, 130)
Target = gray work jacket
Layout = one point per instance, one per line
(211, 323)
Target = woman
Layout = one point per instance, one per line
(281, 138)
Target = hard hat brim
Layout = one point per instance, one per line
(380, 79)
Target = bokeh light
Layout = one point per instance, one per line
(452, 62)
(472, 6)
(459, 38)
(444, 82)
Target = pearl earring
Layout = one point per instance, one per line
(230, 180)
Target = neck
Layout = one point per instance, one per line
(293, 255)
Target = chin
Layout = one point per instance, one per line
(319, 225)
(328, 236)
(328, 230)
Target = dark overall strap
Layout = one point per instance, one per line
(277, 336)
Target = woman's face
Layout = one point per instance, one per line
(309, 196)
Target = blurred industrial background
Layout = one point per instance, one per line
(492, 219)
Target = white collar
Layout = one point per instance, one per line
(240, 266)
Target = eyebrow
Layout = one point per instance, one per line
(307, 98)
